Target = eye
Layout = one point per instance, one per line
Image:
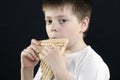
(48, 22)
(61, 21)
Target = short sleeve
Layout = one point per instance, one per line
(93, 69)
(38, 74)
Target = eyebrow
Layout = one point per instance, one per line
(59, 16)
(48, 17)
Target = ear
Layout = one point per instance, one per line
(85, 24)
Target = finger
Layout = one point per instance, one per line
(47, 48)
(55, 47)
(28, 55)
(41, 56)
(35, 48)
(52, 47)
(31, 54)
(35, 42)
(44, 52)
(31, 51)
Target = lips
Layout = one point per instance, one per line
(54, 37)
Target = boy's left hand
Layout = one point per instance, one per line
(54, 58)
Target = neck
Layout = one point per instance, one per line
(77, 46)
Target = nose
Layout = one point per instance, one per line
(54, 27)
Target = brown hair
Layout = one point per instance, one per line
(81, 8)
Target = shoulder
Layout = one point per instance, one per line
(92, 59)
(93, 64)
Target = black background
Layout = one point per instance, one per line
(22, 20)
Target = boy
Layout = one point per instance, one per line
(66, 19)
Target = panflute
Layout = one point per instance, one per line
(47, 74)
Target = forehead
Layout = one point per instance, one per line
(65, 10)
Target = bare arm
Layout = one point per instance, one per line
(26, 74)
(62, 75)
(29, 59)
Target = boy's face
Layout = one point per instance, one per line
(62, 23)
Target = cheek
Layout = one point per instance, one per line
(48, 31)
(48, 28)
(67, 32)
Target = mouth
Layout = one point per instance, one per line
(54, 37)
(57, 38)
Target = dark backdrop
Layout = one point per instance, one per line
(22, 20)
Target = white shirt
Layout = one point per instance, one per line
(84, 65)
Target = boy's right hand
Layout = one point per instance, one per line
(29, 56)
